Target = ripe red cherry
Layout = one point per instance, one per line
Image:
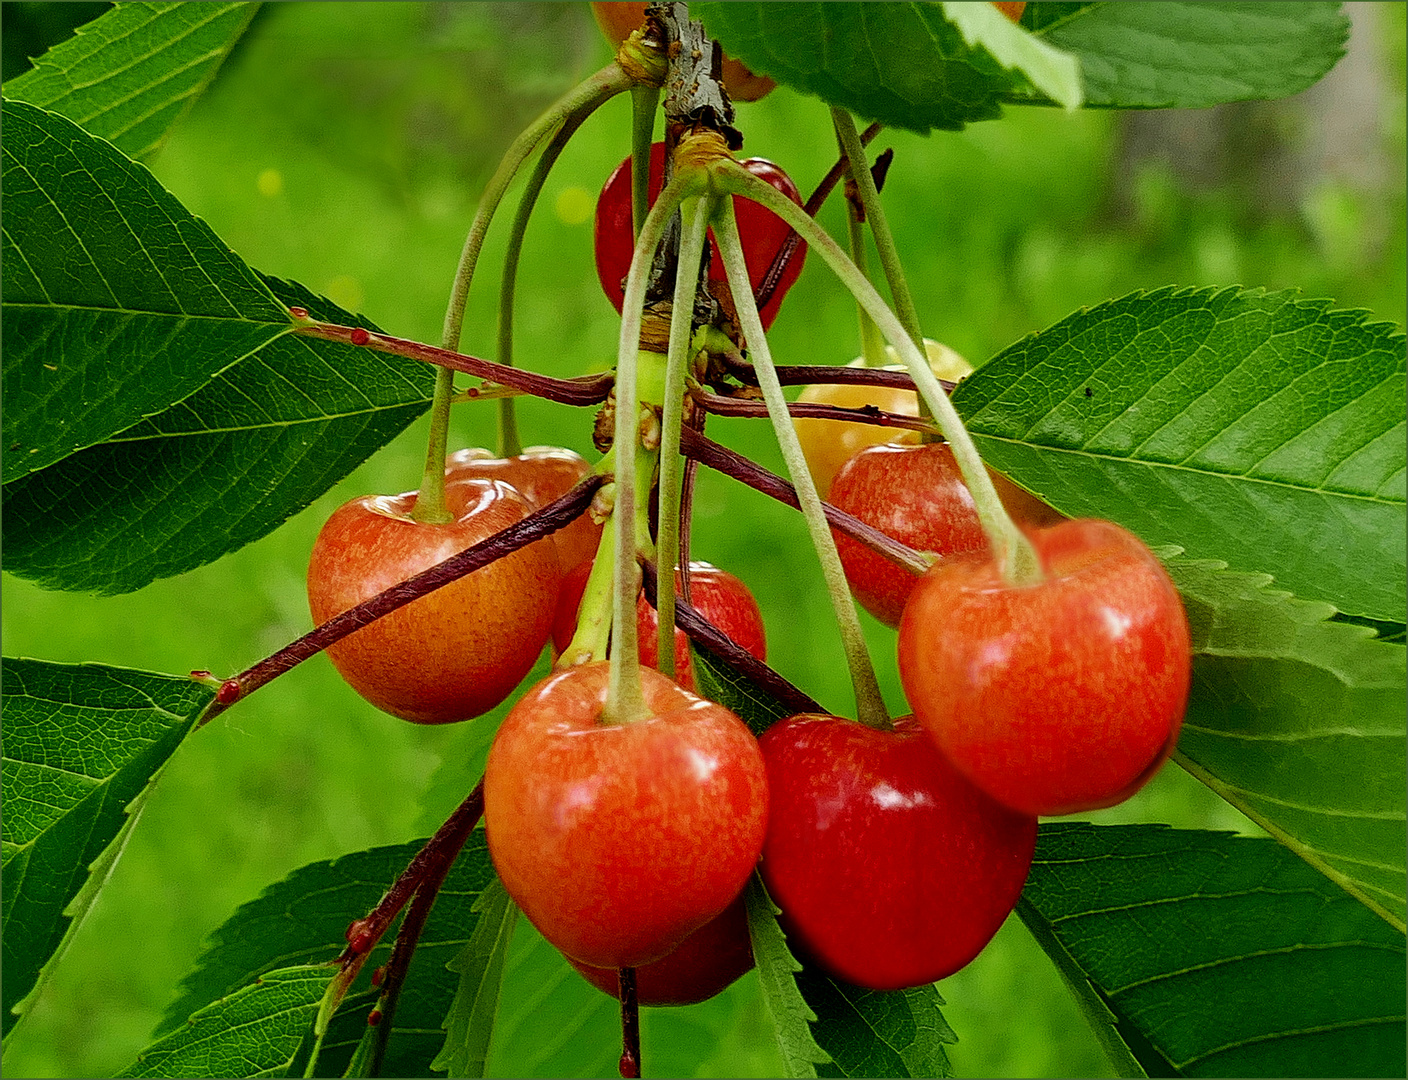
(618, 841)
(457, 652)
(717, 595)
(890, 868)
(763, 232)
(916, 494)
(540, 474)
(1058, 697)
(706, 963)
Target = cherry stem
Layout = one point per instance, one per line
(872, 342)
(625, 701)
(864, 180)
(510, 445)
(695, 217)
(426, 871)
(585, 390)
(593, 633)
(722, 405)
(870, 705)
(708, 636)
(1014, 554)
(720, 458)
(644, 99)
(818, 198)
(542, 522)
(630, 1023)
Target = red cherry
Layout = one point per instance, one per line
(890, 868)
(540, 474)
(762, 231)
(457, 652)
(706, 963)
(916, 494)
(620, 840)
(717, 595)
(1058, 697)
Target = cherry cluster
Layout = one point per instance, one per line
(894, 849)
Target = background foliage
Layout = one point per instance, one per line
(343, 146)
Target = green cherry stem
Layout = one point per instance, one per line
(644, 99)
(695, 214)
(625, 701)
(875, 216)
(590, 639)
(870, 705)
(1013, 551)
(872, 342)
(510, 445)
(584, 98)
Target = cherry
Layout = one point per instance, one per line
(763, 232)
(454, 653)
(1057, 697)
(829, 444)
(716, 594)
(704, 964)
(540, 474)
(917, 495)
(619, 840)
(618, 20)
(890, 868)
(1012, 10)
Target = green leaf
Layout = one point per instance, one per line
(1226, 955)
(256, 1031)
(302, 920)
(1051, 71)
(131, 74)
(480, 966)
(117, 302)
(868, 1033)
(226, 466)
(777, 972)
(735, 691)
(1259, 429)
(82, 744)
(905, 65)
(1300, 723)
(1192, 55)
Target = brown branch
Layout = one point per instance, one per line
(629, 1065)
(723, 405)
(726, 461)
(535, 526)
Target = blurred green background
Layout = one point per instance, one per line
(344, 146)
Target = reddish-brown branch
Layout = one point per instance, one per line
(723, 405)
(535, 526)
(704, 633)
(587, 390)
(629, 1065)
(726, 461)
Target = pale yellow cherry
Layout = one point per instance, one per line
(829, 444)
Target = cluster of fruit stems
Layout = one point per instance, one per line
(700, 192)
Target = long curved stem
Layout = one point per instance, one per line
(870, 705)
(1015, 555)
(624, 699)
(696, 225)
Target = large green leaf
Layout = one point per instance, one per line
(82, 744)
(1260, 429)
(1220, 955)
(229, 464)
(1301, 724)
(302, 920)
(469, 1025)
(132, 73)
(1191, 55)
(117, 302)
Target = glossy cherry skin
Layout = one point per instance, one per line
(706, 963)
(618, 841)
(763, 233)
(829, 444)
(457, 652)
(541, 474)
(718, 595)
(1058, 697)
(916, 494)
(890, 868)
(617, 20)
